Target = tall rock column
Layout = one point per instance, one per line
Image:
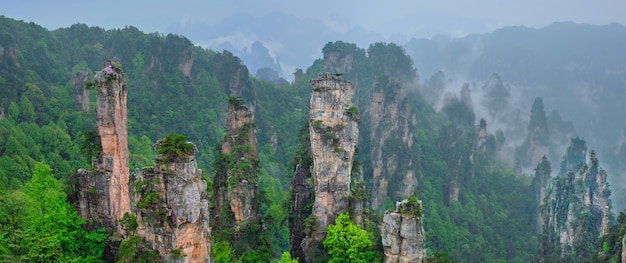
(402, 233)
(392, 125)
(171, 205)
(237, 186)
(301, 195)
(575, 207)
(236, 190)
(334, 135)
(623, 250)
(112, 127)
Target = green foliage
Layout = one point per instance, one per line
(488, 223)
(347, 242)
(175, 144)
(353, 112)
(236, 101)
(609, 246)
(439, 257)
(412, 206)
(90, 144)
(39, 226)
(178, 254)
(90, 85)
(129, 223)
(222, 252)
(134, 249)
(286, 258)
(310, 224)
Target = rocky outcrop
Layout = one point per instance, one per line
(537, 142)
(237, 186)
(623, 250)
(392, 126)
(171, 206)
(233, 77)
(111, 122)
(236, 191)
(402, 233)
(80, 95)
(104, 193)
(186, 62)
(338, 62)
(7, 48)
(302, 197)
(575, 207)
(334, 133)
(540, 184)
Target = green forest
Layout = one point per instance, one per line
(45, 137)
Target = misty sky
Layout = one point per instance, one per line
(395, 20)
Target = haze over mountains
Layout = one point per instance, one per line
(470, 157)
(577, 69)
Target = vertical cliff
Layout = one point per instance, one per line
(392, 126)
(537, 143)
(233, 77)
(334, 133)
(237, 195)
(80, 95)
(104, 194)
(574, 208)
(402, 232)
(623, 250)
(171, 205)
(540, 184)
(111, 120)
(301, 196)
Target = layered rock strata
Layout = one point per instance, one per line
(171, 206)
(402, 233)
(334, 134)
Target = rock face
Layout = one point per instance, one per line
(104, 193)
(112, 125)
(392, 126)
(623, 250)
(236, 190)
(402, 233)
(575, 207)
(171, 205)
(80, 95)
(541, 184)
(234, 78)
(338, 62)
(334, 134)
(186, 62)
(7, 48)
(301, 194)
(537, 142)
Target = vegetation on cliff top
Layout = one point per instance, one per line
(491, 221)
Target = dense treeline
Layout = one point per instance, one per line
(177, 87)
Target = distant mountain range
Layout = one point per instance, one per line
(578, 69)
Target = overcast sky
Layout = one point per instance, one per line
(409, 18)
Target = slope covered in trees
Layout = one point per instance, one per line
(476, 209)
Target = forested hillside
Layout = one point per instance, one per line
(476, 206)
